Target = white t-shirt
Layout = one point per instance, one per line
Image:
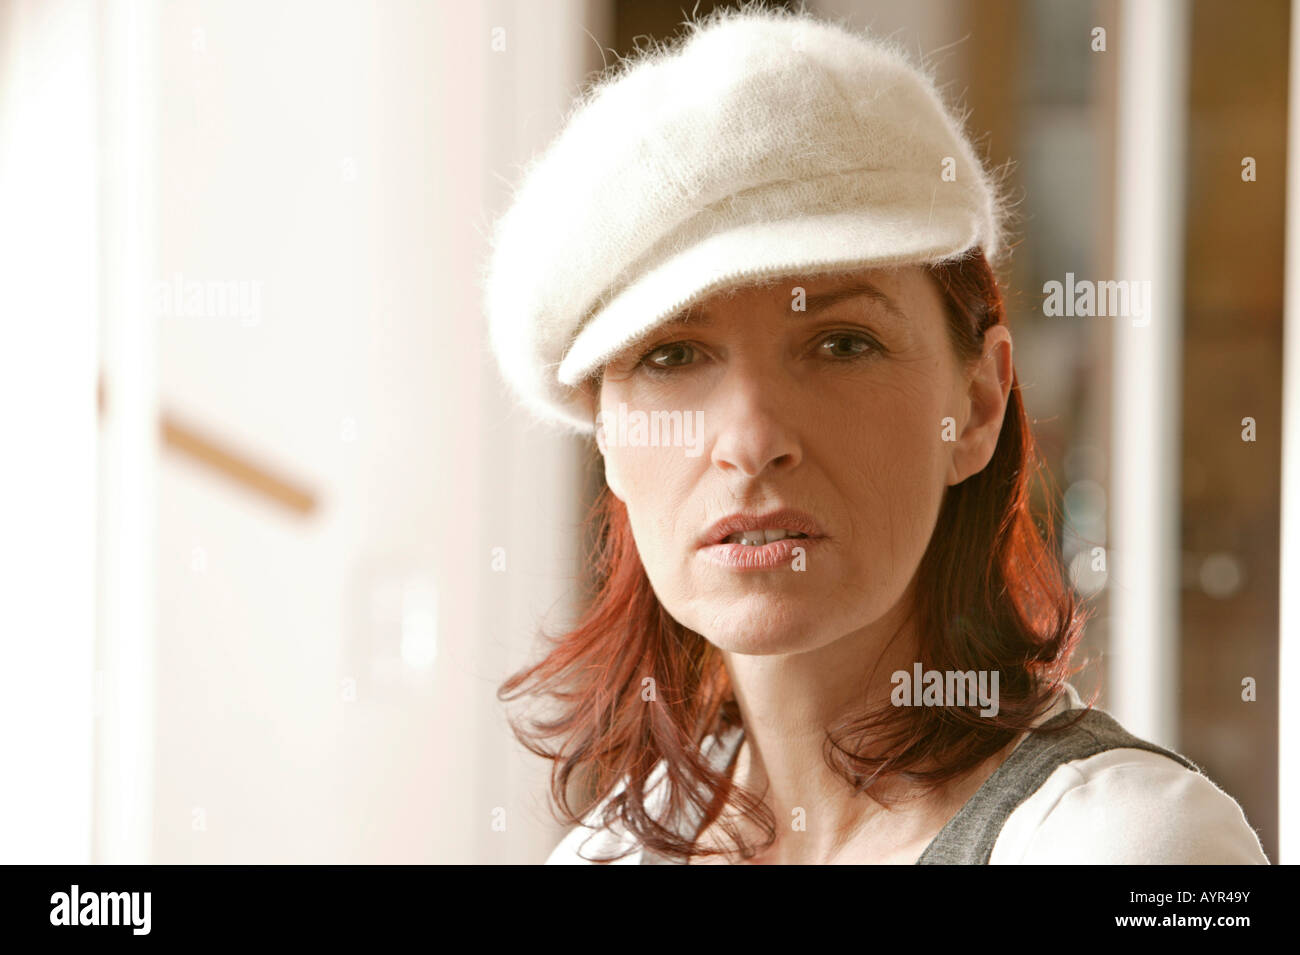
(1122, 806)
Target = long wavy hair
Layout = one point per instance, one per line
(992, 594)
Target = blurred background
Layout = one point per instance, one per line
(273, 532)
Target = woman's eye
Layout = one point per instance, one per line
(673, 355)
(845, 345)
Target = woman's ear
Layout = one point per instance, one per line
(989, 387)
(611, 477)
(602, 440)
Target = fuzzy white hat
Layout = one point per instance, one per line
(766, 143)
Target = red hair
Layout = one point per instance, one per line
(991, 595)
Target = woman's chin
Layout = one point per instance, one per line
(763, 645)
(761, 634)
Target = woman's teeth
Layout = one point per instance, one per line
(758, 538)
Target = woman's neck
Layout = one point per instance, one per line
(786, 704)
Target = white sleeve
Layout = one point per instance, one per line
(597, 843)
(602, 842)
(1128, 807)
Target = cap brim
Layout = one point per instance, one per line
(879, 237)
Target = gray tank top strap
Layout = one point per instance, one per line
(969, 836)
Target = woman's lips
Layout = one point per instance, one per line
(788, 519)
(759, 556)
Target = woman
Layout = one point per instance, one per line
(759, 267)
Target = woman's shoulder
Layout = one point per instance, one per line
(592, 841)
(1128, 806)
(586, 844)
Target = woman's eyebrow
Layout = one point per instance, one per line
(699, 317)
(858, 288)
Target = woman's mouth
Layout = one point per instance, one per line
(761, 549)
(759, 541)
(757, 538)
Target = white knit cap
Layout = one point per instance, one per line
(768, 143)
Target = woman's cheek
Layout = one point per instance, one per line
(649, 474)
(908, 468)
(647, 477)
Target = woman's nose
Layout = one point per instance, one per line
(755, 431)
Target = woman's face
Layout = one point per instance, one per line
(837, 396)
